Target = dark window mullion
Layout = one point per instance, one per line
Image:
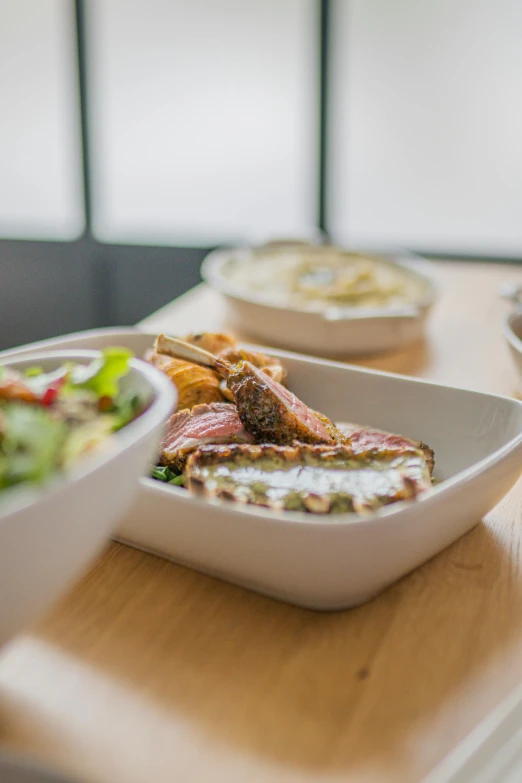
(81, 49)
(323, 111)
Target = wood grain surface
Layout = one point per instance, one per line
(150, 672)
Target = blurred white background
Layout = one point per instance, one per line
(427, 124)
(204, 121)
(40, 186)
(206, 118)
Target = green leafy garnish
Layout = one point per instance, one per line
(102, 375)
(162, 473)
(167, 475)
(127, 407)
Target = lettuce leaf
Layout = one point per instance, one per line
(37, 441)
(31, 444)
(127, 407)
(162, 473)
(102, 375)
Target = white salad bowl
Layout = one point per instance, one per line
(49, 534)
(332, 332)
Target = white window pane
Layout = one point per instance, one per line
(205, 118)
(426, 135)
(40, 174)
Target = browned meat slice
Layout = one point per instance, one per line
(268, 364)
(187, 430)
(271, 367)
(269, 411)
(318, 479)
(272, 413)
(367, 440)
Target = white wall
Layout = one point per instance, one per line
(427, 127)
(40, 190)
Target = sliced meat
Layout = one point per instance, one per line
(269, 364)
(187, 430)
(269, 411)
(316, 479)
(367, 440)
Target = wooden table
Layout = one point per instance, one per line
(148, 672)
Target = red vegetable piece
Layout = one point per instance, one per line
(105, 403)
(49, 396)
(51, 393)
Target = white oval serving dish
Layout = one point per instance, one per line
(335, 331)
(49, 534)
(345, 560)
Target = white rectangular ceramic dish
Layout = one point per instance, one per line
(344, 560)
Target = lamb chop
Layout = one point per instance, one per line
(186, 431)
(197, 384)
(226, 347)
(316, 479)
(268, 411)
(213, 342)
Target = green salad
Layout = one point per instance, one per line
(50, 419)
(162, 473)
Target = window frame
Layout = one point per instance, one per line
(97, 267)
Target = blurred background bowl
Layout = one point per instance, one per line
(334, 331)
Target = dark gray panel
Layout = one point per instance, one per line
(142, 279)
(51, 288)
(46, 289)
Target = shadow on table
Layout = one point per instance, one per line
(318, 692)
